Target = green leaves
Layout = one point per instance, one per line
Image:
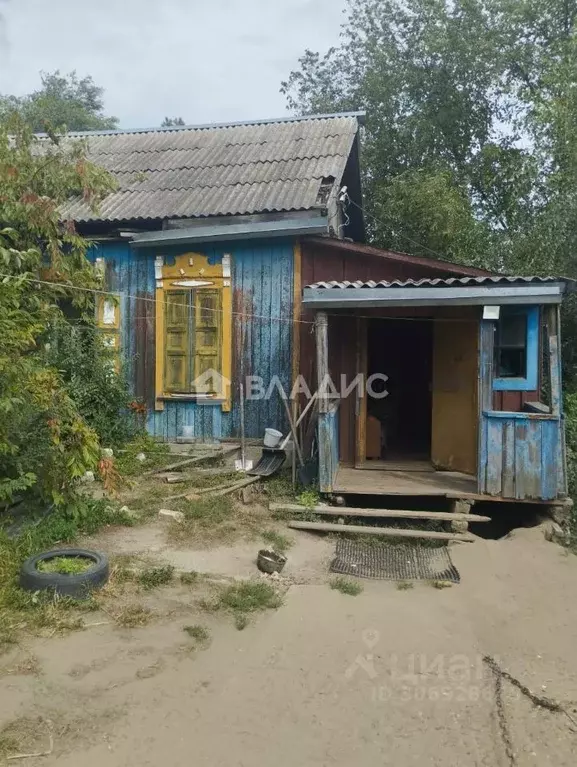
(470, 144)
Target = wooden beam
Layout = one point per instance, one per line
(554, 358)
(322, 343)
(339, 511)
(391, 532)
(297, 310)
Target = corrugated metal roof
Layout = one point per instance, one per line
(217, 170)
(438, 282)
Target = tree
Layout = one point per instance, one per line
(63, 102)
(172, 122)
(470, 145)
(45, 443)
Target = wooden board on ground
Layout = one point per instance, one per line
(341, 511)
(391, 532)
(208, 456)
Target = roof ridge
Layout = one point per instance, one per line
(360, 116)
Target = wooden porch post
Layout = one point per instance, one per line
(554, 358)
(322, 342)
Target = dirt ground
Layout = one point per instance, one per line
(389, 677)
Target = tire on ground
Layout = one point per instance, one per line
(77, 585)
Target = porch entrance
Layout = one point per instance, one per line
(429, 418)
(398, 426)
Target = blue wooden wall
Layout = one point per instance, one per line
(521, 456)
(262, 281)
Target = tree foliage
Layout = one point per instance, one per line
(172, 122)
(63, 102)
(470, 145)
(45, 443)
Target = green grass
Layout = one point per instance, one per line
(152, 577)
(65, 565)
(23, 610)
(308, 498)
(244, 599)
(241, 621)
(197, 632)
(279, 542)
(405, 585)
(206, 519)
(157, 455)
(249, 597)
(346, 586)
(132, 616)
(189, 579)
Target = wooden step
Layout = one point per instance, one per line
(391, 532)
(343, 511)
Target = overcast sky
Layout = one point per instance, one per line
(205, 60)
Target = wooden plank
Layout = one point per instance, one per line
(554, 359)
(340, 511)
(494, 459)
(297, 309)
(508, 464)
(550, 432)
(392, 532)
(322, 340)
(191, 461)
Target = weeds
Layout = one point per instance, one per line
(189, 579)
(346, 586)
(441, 584)
(249, 597)
(153, 577)
(65, 565)
(241, 621)
(241, 599)
(197, 632)
(308, 498)
(132, 616)
(405, 585)
(42, 611)
(205, 518)
(279, 542)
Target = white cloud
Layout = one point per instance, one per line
(206, 60)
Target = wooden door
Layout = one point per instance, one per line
(361, 396)
(455, 380)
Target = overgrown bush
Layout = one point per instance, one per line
(46, 443)
(99, 392)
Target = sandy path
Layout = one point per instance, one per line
(386, 678)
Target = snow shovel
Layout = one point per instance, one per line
(272, 458)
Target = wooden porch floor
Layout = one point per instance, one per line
(448, 484)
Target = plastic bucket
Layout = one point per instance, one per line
(272, 437)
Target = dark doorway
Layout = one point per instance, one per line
(399, 425)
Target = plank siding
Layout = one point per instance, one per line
(262, 282)
(520, 456)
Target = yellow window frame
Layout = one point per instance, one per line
(192, 272)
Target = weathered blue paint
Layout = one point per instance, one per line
(530, 381)
(328, 435)
(520, 456)
(262, 282)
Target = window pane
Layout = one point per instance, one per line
(513, 331)
(511, 363)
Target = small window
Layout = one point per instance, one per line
(193, 344)
(516, 349)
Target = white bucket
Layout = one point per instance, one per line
(272, 437)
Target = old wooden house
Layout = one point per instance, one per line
(232, 252)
